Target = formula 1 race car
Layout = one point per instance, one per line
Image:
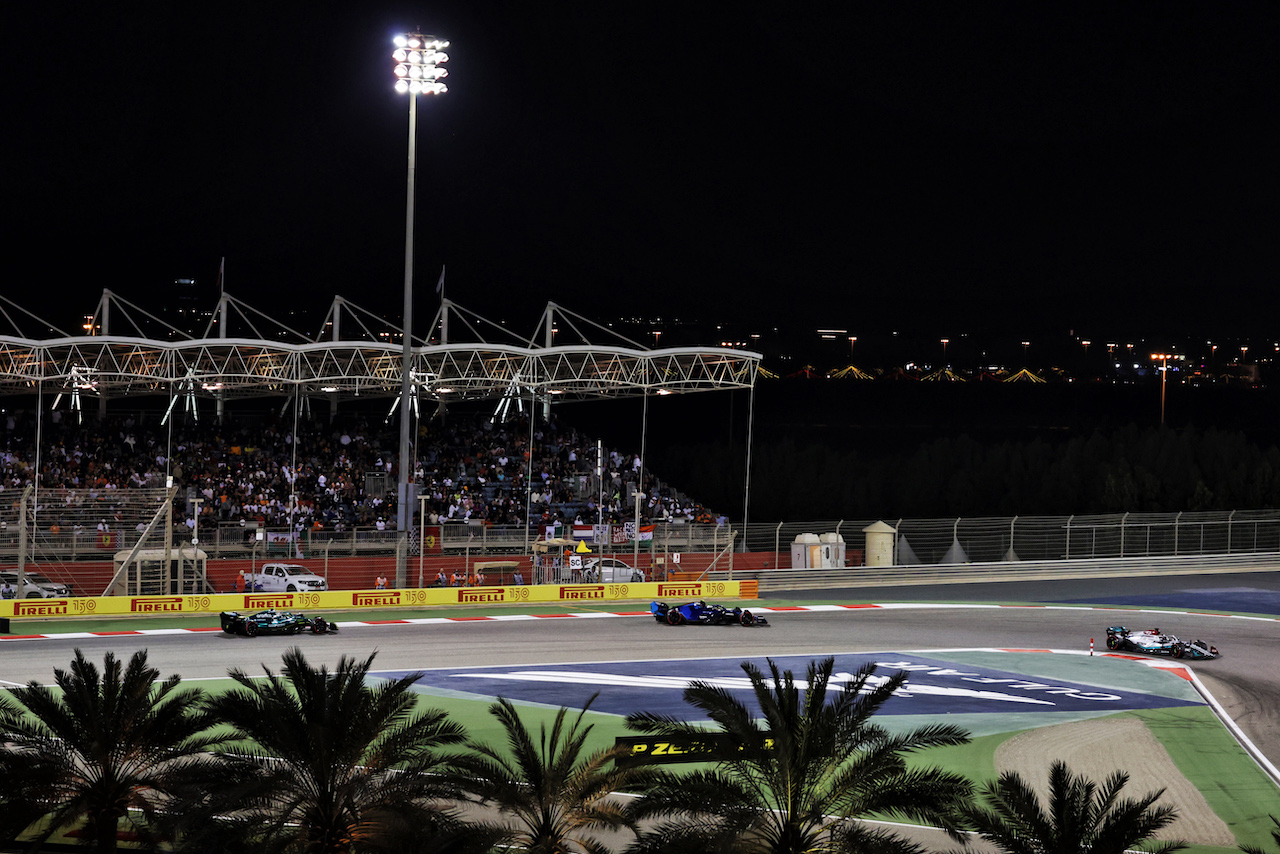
(274, 622)
(701, 614)
(1155, 642)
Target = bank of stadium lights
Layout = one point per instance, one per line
(418, 60)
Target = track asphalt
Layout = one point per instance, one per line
(994, 692)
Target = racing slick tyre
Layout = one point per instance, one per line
(1179, 650)
(250, 628)
(675, 618)
(1113, 643)
(747, 619)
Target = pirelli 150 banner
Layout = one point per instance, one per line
(115, 606)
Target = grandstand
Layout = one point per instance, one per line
(252, 477)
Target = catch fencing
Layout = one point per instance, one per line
(1042, 538)
(951, 542)
(917, 541)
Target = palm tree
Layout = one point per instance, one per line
(556, 794)
(795, 781)
(332, 764)
(103, 749)
(1079, 817)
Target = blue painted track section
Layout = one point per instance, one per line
(1224, 600)
(934, 687)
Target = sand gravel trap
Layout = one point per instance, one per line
(1096, 749)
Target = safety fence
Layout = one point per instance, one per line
(1037, 538)
(918, 541)
(970, 545)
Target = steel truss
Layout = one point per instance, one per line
(249, 367)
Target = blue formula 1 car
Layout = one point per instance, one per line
(1156, 642)
(274, 622)
(701, 614)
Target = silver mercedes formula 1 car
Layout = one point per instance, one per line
(1156, 642)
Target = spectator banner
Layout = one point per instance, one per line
(109, 540)
(355, 600)
(629, 529)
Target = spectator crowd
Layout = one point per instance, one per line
(337, 475)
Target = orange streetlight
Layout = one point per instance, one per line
(1164, 376)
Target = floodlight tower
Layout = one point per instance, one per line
(418, 59)
(1164, 377)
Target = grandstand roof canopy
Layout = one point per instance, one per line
(125, 350)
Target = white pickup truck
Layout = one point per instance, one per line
(283, 578)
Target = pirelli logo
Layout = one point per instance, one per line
(390, 598)
(40, 608)
(582, 591)
(471, 595)
(262, 601)
(678, 590)
(666, 750)
(155, 604)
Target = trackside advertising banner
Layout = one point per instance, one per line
(116, 606)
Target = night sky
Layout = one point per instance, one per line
(949, 167)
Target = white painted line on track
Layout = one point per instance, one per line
(1249, 747)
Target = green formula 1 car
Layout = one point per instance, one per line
(274, 622)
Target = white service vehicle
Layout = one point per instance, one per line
(609, 570)
(283, 578)
(35, 586)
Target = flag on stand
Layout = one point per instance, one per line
(583, 532)
(629, 529)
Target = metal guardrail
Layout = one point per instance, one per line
(1020, 540)
(970, 573)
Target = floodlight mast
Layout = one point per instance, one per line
(418, 59)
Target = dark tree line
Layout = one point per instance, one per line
(1125, 469)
